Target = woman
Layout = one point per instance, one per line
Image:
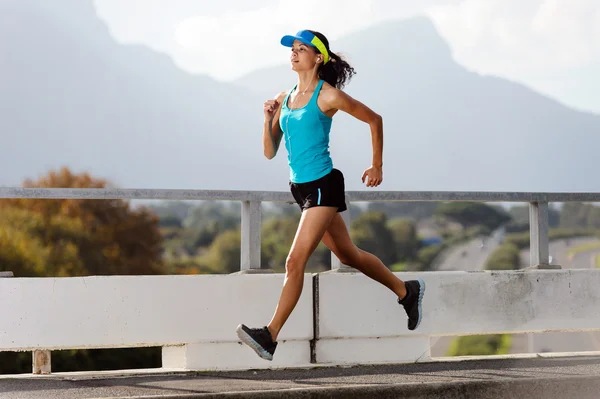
(304, 115)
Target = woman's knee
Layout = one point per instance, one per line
(294, 264)
(350, 257)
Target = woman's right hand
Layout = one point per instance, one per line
(270, 108)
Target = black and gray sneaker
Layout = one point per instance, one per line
(412, 302)
(259, 339)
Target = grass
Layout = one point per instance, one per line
(480, 345)
(398, 267)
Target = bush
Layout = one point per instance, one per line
(427, 254)
(505, 257)
(480, 345)
(521, 240)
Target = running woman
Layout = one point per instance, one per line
(303, 116)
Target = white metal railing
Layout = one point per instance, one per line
(251, 208)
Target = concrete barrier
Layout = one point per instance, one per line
(356, 320)
(359, 320)
(193, 317)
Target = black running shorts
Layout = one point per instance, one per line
(329, 190)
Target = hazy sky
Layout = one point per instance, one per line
(552, 46)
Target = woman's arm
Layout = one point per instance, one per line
(337, 99)
(271, 130)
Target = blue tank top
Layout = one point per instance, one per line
(306, 134)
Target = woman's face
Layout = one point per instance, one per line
(303, 56)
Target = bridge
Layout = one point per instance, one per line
(346, 338)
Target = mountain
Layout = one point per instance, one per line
(71, 95)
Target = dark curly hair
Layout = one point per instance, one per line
(337, 72)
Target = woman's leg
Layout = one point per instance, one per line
(410, 293)
(337, 239)
(312, 226)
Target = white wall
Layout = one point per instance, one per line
(194, 317)
(95, 312)
(352, 306)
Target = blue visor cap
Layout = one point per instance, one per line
(308, 38)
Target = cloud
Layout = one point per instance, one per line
(153, 22)
(521, 36)
(550, 45)
(228, 39)
(547, 44)
(235, 42)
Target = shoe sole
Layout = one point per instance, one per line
(421, 293)
(248, 340)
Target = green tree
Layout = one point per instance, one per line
(405, 238)
(469, 214)
(32, 246)
(505, 257)
(226, 214)
(405, 210)
(83, 237)
(170, 220)
(179, 209)
(426, 255)
(370, 233)
(580, 215)
(277, 209)
(224, 252)
(207, 233)
(277, 236)
(520, 216)
(594, 219)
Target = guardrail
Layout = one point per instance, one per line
(251, 208)
(320, 330)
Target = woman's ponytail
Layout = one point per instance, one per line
(337, 72)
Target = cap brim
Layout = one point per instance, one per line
(288, 40)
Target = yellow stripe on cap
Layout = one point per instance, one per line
(321, 47)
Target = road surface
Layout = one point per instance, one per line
(471, 255)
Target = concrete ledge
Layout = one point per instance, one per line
(252, 271)
(212, 356)
(353, 351)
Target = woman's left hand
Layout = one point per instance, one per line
(373, 176)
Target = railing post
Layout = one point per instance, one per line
(538, 232)
(250, 229)
(336, 265)
(42, 362)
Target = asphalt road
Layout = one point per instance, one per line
(471, 255)
(546, 378)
